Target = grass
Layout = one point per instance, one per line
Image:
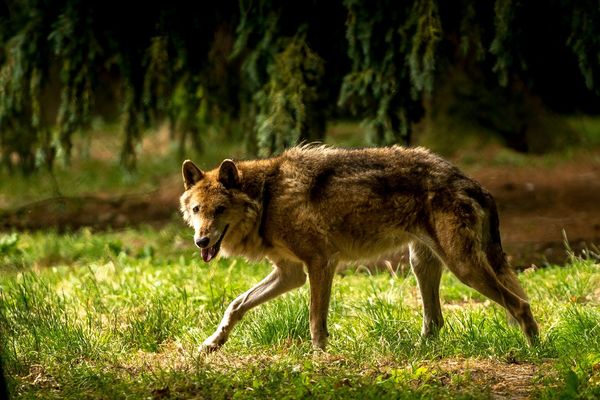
(121, 314)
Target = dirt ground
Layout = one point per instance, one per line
(536, 206)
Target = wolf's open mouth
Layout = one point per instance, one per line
(210, 252)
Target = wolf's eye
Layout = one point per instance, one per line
(196, 209)
(219, 210)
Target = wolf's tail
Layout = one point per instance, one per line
(495, 254)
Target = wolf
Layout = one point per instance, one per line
(315, 206)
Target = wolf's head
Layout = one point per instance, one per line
(212, 204)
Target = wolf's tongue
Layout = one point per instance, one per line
(208, 253)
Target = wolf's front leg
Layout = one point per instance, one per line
(427, 268)
(284, 277)
(320, 276)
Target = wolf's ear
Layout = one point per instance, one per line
(191, 174)
(228, 174)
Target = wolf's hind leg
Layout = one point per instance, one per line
(284, 277)
(474, 270)
(427, 268)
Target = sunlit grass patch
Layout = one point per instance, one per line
(277, 322)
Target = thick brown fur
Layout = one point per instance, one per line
(314, 206)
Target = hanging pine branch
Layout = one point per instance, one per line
(393, 53)
(22, 78)
(584, 39)
(287, 100)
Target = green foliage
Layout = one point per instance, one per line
(287, 101)
(283, 76)
(274, 69)
(74, 42)
(21, 76)
(584, 39)
(428, 33)
(86, 55)
(379, 83)
(505, 11)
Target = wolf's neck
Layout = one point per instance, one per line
(257, 182)
(264, 174)
(258, 176)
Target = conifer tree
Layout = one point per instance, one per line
(277, 69)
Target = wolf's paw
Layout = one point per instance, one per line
(207, 348)
(319, 344)
(211, 345)
(423, 341)
(533, 337)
